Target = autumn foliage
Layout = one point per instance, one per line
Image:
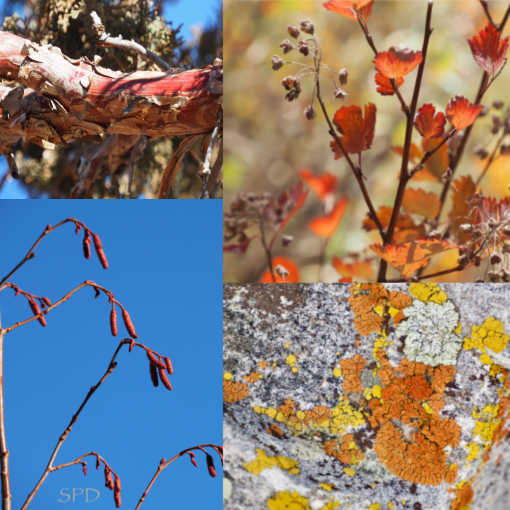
(434, 225)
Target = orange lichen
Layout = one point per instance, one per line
(346, 452)
(351, 368)
(252, 377)
(464, 496)
(318, 414)
(262, 364)
(234, 391)
(370, 302)
(274, 430)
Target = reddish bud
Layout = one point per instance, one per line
(155, 360)
(77, 229)
(99, 250)
(108, 481)
(154, 374)
(117, 484)
(169, 366)
(192, 458)
(36, 311)
(210, 465)
(113, 321)
(46, 301)
(164, 379)
(131, 345)
(84, 469)
(116, 497)
(86, 245)
(98, 463)
(128, 323)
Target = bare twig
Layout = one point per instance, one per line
(205, 173)
(485, 7)
(165, 463)
(404, 171)
(267, 248)
(491, 158)
(105, 39)
(49, 467)
(4, 452)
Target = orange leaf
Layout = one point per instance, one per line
(357, 131)
(462, 191)
(417, 201)
(428, 123)
(384, 86)
(461, 113)
(384, 214)
(409, 257)
(437, 164)
(415, 154)
(488, 49)
(397, 62)
(349, 8)
(323, 185)
(295, 194)
(292, 277)
(326, 225)
(362, 270)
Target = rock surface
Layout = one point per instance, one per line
(323, 409)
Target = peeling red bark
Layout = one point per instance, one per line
(65, 99)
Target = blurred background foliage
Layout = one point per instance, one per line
(268, 140)
(67, 25)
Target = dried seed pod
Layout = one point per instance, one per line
(276, 62)
(495, 258)
(466, 227)
(286, 46)
(128, 323)
(164, 379)
(506, 230)
(307, 27)
(309, 112)
(303, 48)
(99, 250)
(168, 364)
(86, 245)
(494, 276)
(481, 153)
(153, 359)
(192, 458)
(293, 31)
(154, 374)
(340, 94)
(113, 321)
(210, 465)
(343, 75)
(36, 311)
(286, 240)
(108, 481)
(504, 150)
(498, 104)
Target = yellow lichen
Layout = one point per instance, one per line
(349, 471)
(227, 376)
(264, 461)
(331, 505)
(428, 292)
(375, 506)
(490, 335)
(287, 500)
(326, 486)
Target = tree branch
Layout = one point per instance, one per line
(4, 452)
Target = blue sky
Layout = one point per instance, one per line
(187, 12)
(165, 267)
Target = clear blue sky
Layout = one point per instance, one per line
(186, 12)
(165, 267)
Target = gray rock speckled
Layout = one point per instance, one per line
(285, 401)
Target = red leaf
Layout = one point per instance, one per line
(411, 256)
(488, 49)
(325, 226)
(429, 123)
(348, 8)
(384, 86)
(323, 185)
(357, 131)
(461, 113)
(292, 277)
(397, 62)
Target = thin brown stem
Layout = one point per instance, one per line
(355, 169)
(30, 254)
(485, 7)
(404, 171)
(49, 467)
(491, 158)
(4, 452)
(267, 249)
(165, 463)
(86, 283)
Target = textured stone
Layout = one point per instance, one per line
(319, 416)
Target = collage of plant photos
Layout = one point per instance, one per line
(330, 303)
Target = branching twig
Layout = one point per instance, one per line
(4, 452)
(49, 467)
(404, 171)
(189, 451)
